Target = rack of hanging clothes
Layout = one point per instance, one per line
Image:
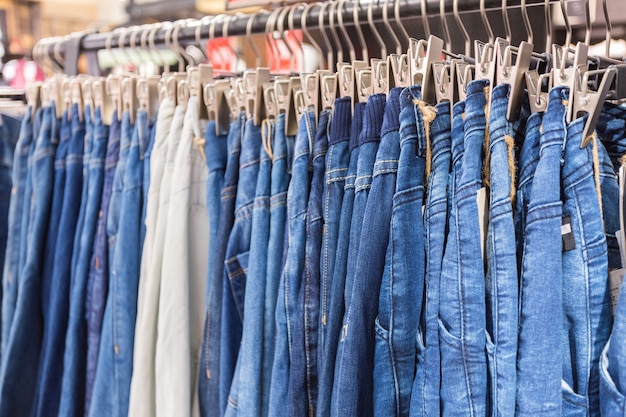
(410, 230)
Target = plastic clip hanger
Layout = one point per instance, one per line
(294, 95)
(215, 100)
(253, 82)
(422, 54)
(129, 97)
(513, 73)
(76, 97)
(148, 95)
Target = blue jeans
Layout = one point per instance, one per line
(462, 289)
(303, 376)
(355, 371)
(334, 316)
(248, 372)
(291, 279)
(426, 386)
(236, 262)
(16, 212)
(18, 383)
(98, 273)
(75, 358)
(107, 396)
(402, 286)
(10, 134)
(55, 322)
(502, 274)
(540, 334)
(210, 377)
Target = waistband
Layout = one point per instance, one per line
(341, 121)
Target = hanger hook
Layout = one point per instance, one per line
(425, 19)
(459, 22)
(396, 15)
(121, 44)
(156, 56)
(344, 32)
(212, 24)
(528, 27)
(174, 46)
(547, 11)
(58, 57)
(389, 28)
(283, 36)
(608, 29)
(255, 50)
(486, 23)
(270, 27)
(357, 25)
(332, 13)
(379, 39)
(305, 30)
(107, 46)
(291, 26)
(329, 52)
(505, 19)
(568, 26)
(444, 24)
(225, 28)
(587, 24)
(198, 36)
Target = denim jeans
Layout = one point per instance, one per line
(355, 362)
(236, 262)
(142, 400)
(540, 333)
(98, 278)
(108, 395)
(291, 279)
(18, 383)
(425, 396)
(586, 294)
(402, 286)
(211, 403)
(11, 267)
(501, 281)
(55, 321)
(9, 135)
(75, 356)
(334, 315)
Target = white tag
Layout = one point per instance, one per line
(482, 201)
(615, 284)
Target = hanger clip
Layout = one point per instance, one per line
(215, 99)
(76, 94)
(464, 75)
(87, 90)
(311, 90)
(55, 94)
(254, 81)
(422, 54)
(399, 73)
(114, 90)
(444, 81)
(380, 76)
(148, 95)
(129, 97)
(363, 79)
(538, 86)
(329, 91)
(197, 78)
(295, 102)
(269, 99)
(590, 102)
(513, 74)
(33, 96)
(102, 100)
(281, 92)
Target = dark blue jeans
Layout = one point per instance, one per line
(11, 267)
(75, 358)
(402, 286)
(425, 397)
(355, 366)
(540, 333)
(334, 316)
(18, 383)
(98, 278)
(210, 378)
(291, 279)
(55, 322)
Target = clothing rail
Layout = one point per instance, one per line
(72, 46)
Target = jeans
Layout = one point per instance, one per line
(248, 371)
(10, 280)
(142, 400)
(291, 279)
(334, 316)
(501, 282)
(9, 135)
(109, 395)
(355, 374)
(55, 322)
(75, 357)
(183, 277)
(18, 383)
(211, 403)
(540, 334)
(98, 278)
(462, 288)
(586, 294)
(236, 263)
(427, 383)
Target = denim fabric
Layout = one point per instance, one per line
(55, 321)
(75, 357)
(501, 282)
(106, 397)
(18, 382)
(540, 333)
(291, 279)
(402, 286)
(248, 371)
(236, 262)
(586, 295)
(337, 160)
(9, 136)
(282, 149)
(335, 312)
(142, 400)
(462, 288)
(211, 403)
(427, 383)
(98, 278)
(613, 366)
(369, 140)
(303, 376)
(10, 281)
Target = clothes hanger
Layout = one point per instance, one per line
(338, 47)
(330, 62)
(270, 27)
(486, 23)
(198, 36)
(372, 25)
(389, 28)
(444, 24)
(280, 26)
(459, 22)
(405, 34)
(307, 34)
(291, 26)
(357, 26)
(506, 21)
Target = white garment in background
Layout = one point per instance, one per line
(183, 277)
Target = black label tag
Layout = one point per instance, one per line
(567, 235)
